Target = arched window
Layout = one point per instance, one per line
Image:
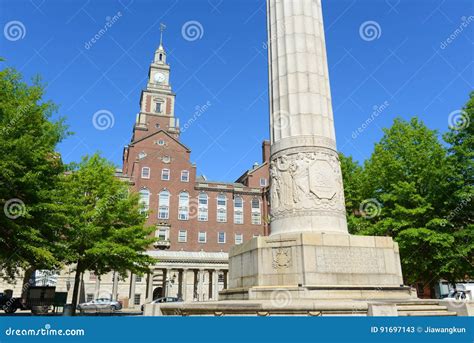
(144, 200)
(164, 204)
(256, 212)
(221, 208)
(183, 206)
(203, 201)
(238, 210)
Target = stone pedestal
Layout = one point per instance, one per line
(315, 266)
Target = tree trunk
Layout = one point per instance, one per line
(75, 292)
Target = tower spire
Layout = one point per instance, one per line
(162, 28)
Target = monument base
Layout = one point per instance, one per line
(316, 266)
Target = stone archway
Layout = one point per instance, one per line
(157, 293)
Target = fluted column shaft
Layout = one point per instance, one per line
(306, 189)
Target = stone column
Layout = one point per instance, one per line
(131, 297)
(200, 295)
(215, 287)
(185, 285)
(306, 189)
(163, 284)
(210, 290)
(149, 287)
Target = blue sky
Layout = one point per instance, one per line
(407, 68)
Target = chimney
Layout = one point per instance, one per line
(265, 151)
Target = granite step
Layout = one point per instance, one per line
(427, 314)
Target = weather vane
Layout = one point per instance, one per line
(162, 28)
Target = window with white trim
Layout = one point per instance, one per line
(238, 210)
(158, 107)
(89, 297)
(145, 173)
(144, 200)
(165, 174)
(137, 299)
(163, 233)
(263, 182)
(164, 204)
(221, 208)
(183, 206)
(256, 212)
(182, 236)
(184, 176)
(239, 238)
(203, 202)
(221, 237)
(202, 237)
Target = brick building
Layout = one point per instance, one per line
(196, 220)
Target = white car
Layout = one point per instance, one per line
(100, 304)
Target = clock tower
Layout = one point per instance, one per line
(157, 101)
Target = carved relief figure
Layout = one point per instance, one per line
(286, 192)
(299, 173)
(276, 186)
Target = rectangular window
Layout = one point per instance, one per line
(239, 238)
(182, 236)
(256, 218)
(184, 176)
(137, 299)
(202, 237)
(221, 215)
(263, 182)
(158, 107)
(221, 237)
(220, 277)
(162, 233)
(145, 173)
(138, 278)
(89, 297)
(165, 174)
(238, 217)
(92, 276)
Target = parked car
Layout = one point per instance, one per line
(100, 304)
(163, 300)
(10, 304)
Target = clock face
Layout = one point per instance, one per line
(160, 77)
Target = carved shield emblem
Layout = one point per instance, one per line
(322, 182)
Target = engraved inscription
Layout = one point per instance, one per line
(349, 260)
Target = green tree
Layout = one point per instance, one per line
(29, 170)
(352, 176)
(409, 176)
(106, 229)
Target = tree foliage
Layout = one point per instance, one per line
(423, 189)
(105, 230)
(30, 169)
